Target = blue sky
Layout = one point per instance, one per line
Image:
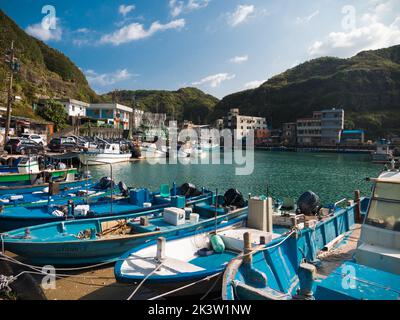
(219, 46)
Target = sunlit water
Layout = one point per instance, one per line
(284, 174)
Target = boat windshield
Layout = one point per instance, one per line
(384, 211)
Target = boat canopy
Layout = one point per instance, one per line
(384, 211)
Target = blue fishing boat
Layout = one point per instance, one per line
(363, 263)
(48, 195)
(98, 204)
(91, 241)
(182, 261)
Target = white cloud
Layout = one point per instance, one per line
(136, 31)
(215, 80)
(44, 32)
(308, 18)
(124, 10)
(370, 33)
(239, 59)
(241, 14)
(83, 30)
(254, 84)
(178, 7)
(107, 79)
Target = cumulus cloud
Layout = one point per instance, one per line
(239, 59)
(106, 79)
(215, 80)
(46, 32)
(369, 33)
(301, 20)
(178, 7)
(240, 15)
(136, 31)
(254, 84)
(125, 9)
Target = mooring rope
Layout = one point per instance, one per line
(144, 280)
(208, 278)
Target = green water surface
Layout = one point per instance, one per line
(285, 174)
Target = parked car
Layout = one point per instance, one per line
(38, 139)
(23, 146)
(62, 145)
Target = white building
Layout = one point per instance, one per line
(243, 124)
(114, 114)
(74, 108)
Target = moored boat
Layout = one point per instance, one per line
(107, 153)
(182, 261)
(91, 241)
(98, 202)
(364, 263)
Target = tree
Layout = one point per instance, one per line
(54, 111)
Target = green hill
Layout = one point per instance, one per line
(186, 103)
(45, 72)
(366, 86)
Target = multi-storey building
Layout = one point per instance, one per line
(243, 125)
(289, 133)
(114, 114)
(309, 129)
(332, 124)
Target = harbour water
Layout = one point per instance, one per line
(285, 174)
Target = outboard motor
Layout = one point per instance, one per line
(123, 188)
(189, 190)
(234, 197)
(105, 183)
(308, 204)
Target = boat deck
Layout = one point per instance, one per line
(338, 255)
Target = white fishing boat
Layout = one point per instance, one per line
(209, 145)
(383, 154)
(150, 150)
(106, 154)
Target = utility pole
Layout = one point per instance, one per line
(14, 66)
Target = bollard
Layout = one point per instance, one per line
(248, 258)
(71, 210)
(357, 208)
(161, 249)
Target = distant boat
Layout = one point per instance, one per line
(108, 153)
(383, 154)
(150, 150)
(91, 241)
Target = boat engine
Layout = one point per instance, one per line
(308, 204)
(123, 188)
(189, 190)
(234, 197)
(105, 183)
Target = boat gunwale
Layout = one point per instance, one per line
(8, 239)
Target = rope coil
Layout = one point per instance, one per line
(5, 282)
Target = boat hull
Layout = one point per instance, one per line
(8, 222)
(23, 189)
(86, 252)
(93, 159)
